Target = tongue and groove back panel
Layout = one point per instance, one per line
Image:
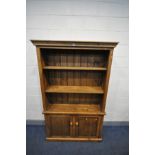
(62, 98)
(74, 78)
(71, 58)
(75, 58)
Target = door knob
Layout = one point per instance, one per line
(71, 123)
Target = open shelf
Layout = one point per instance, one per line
(74, 78)
(73, 98)
(74, 58)
(73, 109)
(75, 89)
(75, 68)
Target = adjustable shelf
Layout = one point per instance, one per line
(74, 68)
(74, 79)
(74, 89)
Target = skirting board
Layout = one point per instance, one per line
(106, 123)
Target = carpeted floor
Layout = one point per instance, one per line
(115, 142)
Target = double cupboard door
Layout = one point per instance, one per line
(79, 126)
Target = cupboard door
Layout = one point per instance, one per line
(86, 126)
(58, 125)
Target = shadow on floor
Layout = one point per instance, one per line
(115, 142)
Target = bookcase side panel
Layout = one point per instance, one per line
(41, 76)
(106, 81)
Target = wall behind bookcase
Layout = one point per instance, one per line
(90, 20)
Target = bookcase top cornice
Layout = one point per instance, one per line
(78, 44)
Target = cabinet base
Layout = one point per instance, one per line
(73, 139)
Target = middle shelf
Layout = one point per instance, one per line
(74, 68)
(75, 89)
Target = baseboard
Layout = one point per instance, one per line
(35, 122)
(116, 123)
(106, 123)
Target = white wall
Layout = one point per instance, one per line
(90, 20)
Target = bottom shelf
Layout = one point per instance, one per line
(73, 109)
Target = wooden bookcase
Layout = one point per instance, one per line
(74, 79)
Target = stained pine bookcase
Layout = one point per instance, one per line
(74, 79)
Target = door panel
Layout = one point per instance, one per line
(87, 126)
(58, 125)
